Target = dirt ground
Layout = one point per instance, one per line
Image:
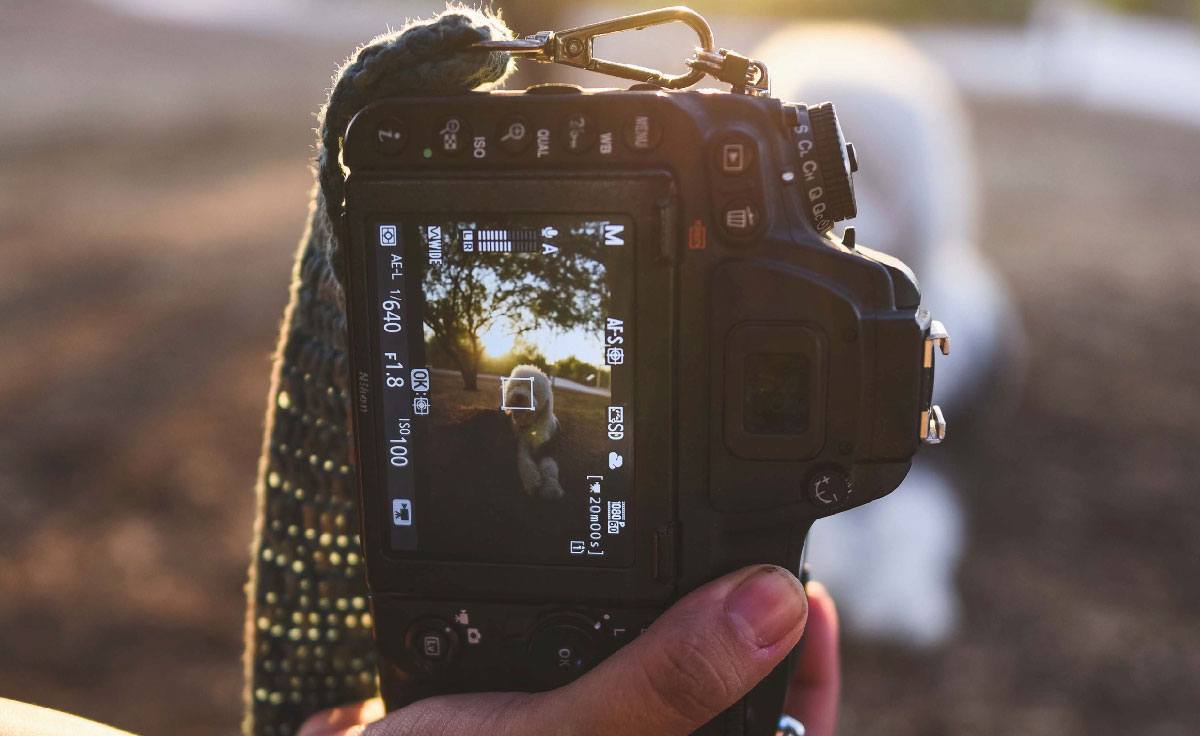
(145, 270)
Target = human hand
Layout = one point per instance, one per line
(701, 656)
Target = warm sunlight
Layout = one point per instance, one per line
(497, 339)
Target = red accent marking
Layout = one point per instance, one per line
(697, 236)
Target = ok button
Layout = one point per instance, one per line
(561, 652)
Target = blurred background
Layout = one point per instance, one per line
(1037, 162)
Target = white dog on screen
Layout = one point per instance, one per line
(528, 399)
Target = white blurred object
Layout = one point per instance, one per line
(891, 563)
(1081, 53)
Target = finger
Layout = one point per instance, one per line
(494, 714)
(699, 658)
(339, 721)
(816, 682)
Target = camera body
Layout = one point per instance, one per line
(713, 371)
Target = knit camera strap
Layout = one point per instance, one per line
(308, 634)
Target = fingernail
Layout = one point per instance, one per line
(767, 606)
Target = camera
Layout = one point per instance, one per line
(605, 348)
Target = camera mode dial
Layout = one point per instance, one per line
(827, 164)
(838, 162)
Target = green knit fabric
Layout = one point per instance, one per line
(308, 632)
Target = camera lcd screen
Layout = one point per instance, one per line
(506, 382)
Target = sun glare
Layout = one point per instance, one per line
(497, 340)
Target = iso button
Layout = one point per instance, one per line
(579, 133)
(452, 136)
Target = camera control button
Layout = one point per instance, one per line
(579, 133)
(734, 155)
(391, 136)
(829, 488)
(741, 218)
(562, 651)
(514, 135)
(451, 136)
(431, 641)
(641, 133)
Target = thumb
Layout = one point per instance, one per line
(700, 657)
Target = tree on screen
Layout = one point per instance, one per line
(469, 293)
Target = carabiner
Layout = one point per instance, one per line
(573, 47)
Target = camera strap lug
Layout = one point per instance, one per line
(932, 427)
(574, 47)
(747, 76)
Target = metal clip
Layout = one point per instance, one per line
(935, 426)
(932, 427)
(573, 47)
(747, 76)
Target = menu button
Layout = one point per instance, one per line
(642, 133)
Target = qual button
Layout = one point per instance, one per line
(452, 136)
(514, 135)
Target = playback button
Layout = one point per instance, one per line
(734, 155)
